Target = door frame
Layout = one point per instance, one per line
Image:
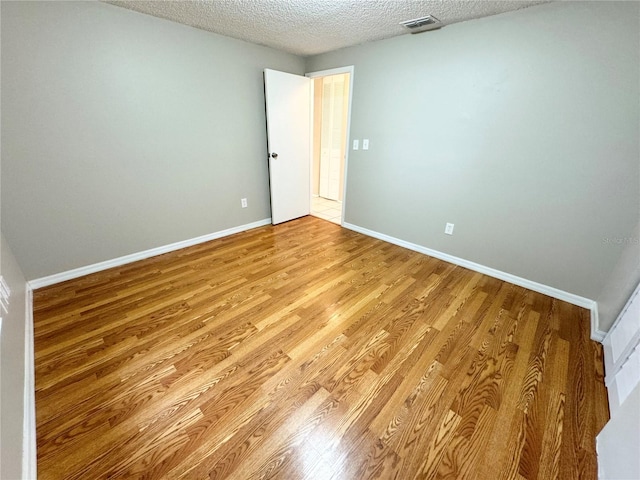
(326, 73)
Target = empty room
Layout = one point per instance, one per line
(320, 239)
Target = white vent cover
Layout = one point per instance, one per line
(422, 24)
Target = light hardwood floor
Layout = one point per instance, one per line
(307, 351)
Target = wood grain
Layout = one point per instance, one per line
(307, 351)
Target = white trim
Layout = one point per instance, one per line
(29, 458)
(312, 97)
(596, 334)
(601, 472)
(325, 73)
(492, 272)
(134, 257)
(331, 71)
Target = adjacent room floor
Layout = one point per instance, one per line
(307, 351)
(326, 209)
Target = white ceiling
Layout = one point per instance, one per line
(309, 27)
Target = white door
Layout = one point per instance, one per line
(331, 137)
(288, 107)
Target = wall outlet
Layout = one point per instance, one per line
(243, 202)
(356, 144)
(365, 144)
(448, 229)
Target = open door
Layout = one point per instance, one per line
(288, 111)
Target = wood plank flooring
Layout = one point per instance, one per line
(307, 351)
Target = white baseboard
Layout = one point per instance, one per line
(134, 257)
(587, 303)
(315, 195)
(29, 457)
(596, 334)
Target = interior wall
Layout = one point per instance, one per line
(12, 367)
(521, 129)
(123, 132)
(622, 281)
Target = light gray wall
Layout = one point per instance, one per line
(623, 280)
(12, 367)
(123, 132)
(522, 129)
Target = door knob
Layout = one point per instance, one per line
(274, 155)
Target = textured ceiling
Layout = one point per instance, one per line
(309, 27)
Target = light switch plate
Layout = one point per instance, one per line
(356, 144)
(448, 229)
(365, 144)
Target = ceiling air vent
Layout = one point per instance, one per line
(422, 24)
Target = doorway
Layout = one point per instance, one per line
(330, 125)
